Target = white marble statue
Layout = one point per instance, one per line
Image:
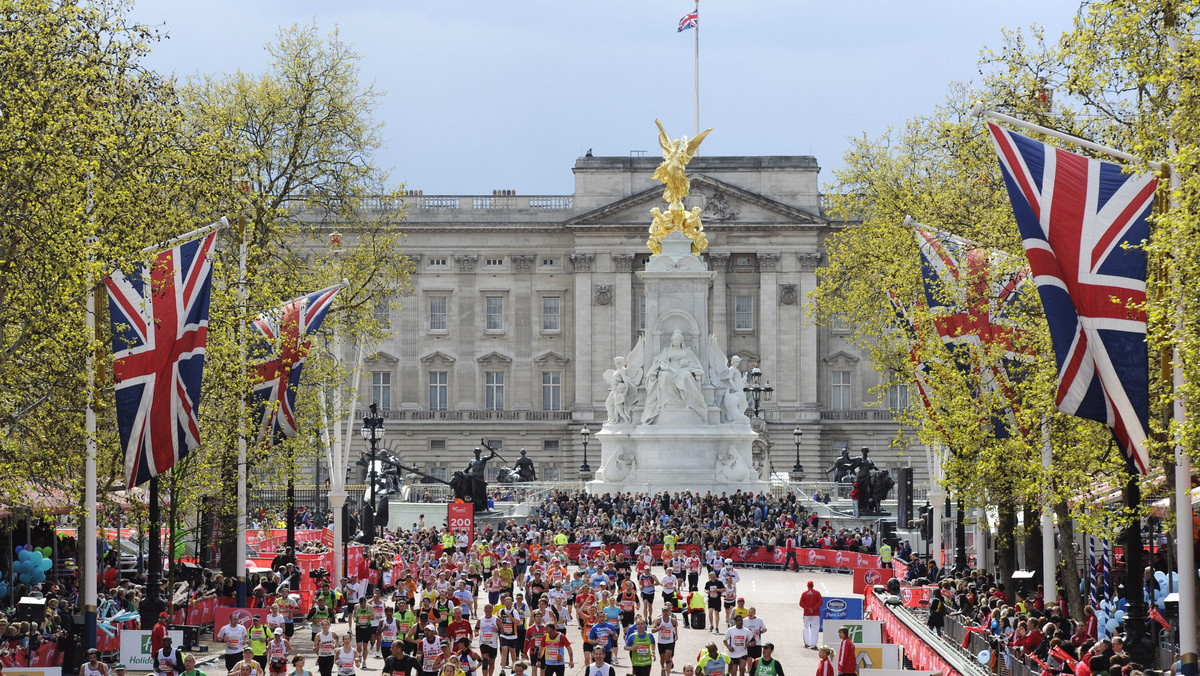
(623, 385)
(729, 383)
(731, 467)
(618, 466)
(674, 379)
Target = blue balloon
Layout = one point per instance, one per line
(3, 588)
(984, 656)
(24, 554)
(1112, 625)
(1120, 615)
(46, 564)
(24, 577)
(36, 556)
(20, 548)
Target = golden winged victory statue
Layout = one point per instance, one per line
(676, 155)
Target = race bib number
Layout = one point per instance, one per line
(234, 643)
(554, 654)
(642, 650)
(739, 641)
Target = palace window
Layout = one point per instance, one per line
(439, 390)
(493, 393)
(381, 389)
(839, 395)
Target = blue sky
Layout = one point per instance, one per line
(487, 95)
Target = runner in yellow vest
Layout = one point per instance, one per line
(258, 635)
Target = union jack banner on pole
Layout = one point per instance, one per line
(280, 342)
(974, 303)
(159, 322)
(919, 369)
(1083, 222)
(689, 20)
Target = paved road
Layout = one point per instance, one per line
(774, 594)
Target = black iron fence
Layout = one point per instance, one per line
(271, 503)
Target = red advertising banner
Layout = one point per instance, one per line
(222, 614)
(460, 516)
(917, 597)
(900, 568)
(924, 657)
(48, 655)
(814, 558)
(869, 577)
(200, 612)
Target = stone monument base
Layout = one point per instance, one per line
(674, 456)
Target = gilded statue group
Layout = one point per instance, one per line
(676, 155)
(675, 379)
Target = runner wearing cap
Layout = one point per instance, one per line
(428, 650)
(389, 631)
(258, 635)
(93, 666)
(247, 666)
(119, 668)
(277, 652)
(766, 665)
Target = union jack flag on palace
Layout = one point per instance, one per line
(974, 302)
(281, 341)
(689, 20)
(159, 322)
(1083, 222)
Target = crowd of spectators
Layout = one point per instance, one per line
(1024, 627)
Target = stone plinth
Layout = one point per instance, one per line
(675, 447)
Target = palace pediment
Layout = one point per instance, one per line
(722, 204)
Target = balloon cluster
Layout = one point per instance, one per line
(31, 564)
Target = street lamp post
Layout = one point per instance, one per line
(756, 391)
(797, 434)
(372, 433)
(585, 434)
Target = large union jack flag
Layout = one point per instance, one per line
(689, 20)
(281, 341)
(920, 372)
(1083, 222)
(974, 302)
(159, 322)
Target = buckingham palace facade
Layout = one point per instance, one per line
(520, 303)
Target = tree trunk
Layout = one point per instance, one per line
(1006, 545)
(1033, 539)
(1069, 561)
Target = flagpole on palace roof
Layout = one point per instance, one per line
(697, 67)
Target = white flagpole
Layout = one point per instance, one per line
(241, 425)
(697, 67)
(937, 497)
(1048, 558)
(187, 236)
(980, 111)
(88, 535)
(1184, 543)
(90, 565)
